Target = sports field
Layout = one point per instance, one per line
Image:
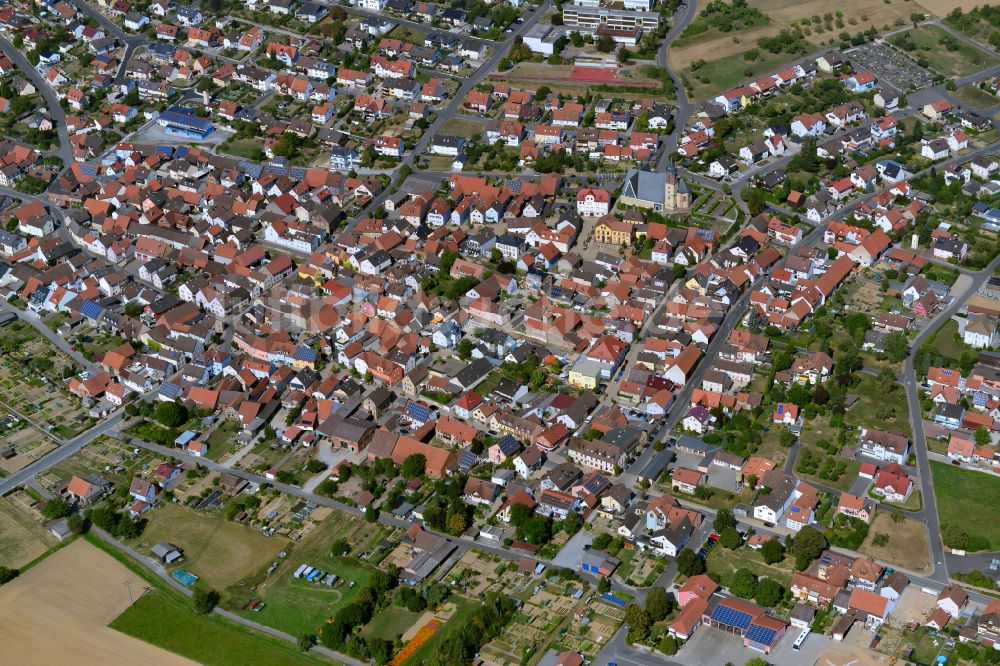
(57, 612)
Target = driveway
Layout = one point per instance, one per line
(571, 554)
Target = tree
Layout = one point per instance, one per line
(601, 541)
(896, 346)
(77, 524)
(572, 523)
(603, 585)
(955, 537)
(465, 348)
(537, 530)
(414, 465)
(723, 519)
(638, 621)
(757, 661)
(623, 55)
(205, 600)
(689, 564)
(730, 538)
(371, 514)
(668, 646)
(520, 514)
(769, 592)
(57, 508)
(886, 381)
(605, 43)
(340, 547)
(982, 438)
(171, 414)
(657, 604)
(755, 203)
(133, 309)
(744, 583)
(457, 524)
(772, 551)
(807, 546)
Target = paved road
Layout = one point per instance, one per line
(64, 451)
(929, 515)
(51, 100)
(684, 106)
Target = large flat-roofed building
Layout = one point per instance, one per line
(184, 122)
(592, 18)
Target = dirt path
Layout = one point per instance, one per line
(59, 610)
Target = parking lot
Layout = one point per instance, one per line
(891, 66)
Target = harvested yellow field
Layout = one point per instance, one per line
(58, 612)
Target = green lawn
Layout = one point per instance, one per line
(724, 562)
(297, 606)
(843, 482)
(945, 344)
(975, 97)
(391, 623)
(875, 409)
(961, 496)
(164, 619)
(946, 54)
(725, 73)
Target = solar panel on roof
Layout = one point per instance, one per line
(91, 310)
(731, 617)
(762, 635)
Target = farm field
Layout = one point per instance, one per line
(297, 606)
(219, 552)
(907, 547)
(24, 538)
(727, 48)
(963, 493)
(57, 612)
(935, 44)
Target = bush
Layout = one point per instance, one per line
(205, 600)
(7, 574)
